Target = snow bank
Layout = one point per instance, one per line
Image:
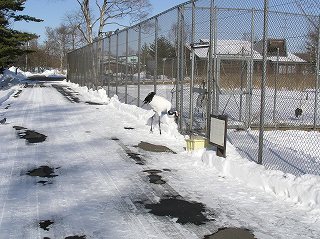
(52, 73)
(304, 190)
(168, 125)
(10, 74)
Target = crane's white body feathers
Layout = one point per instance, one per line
(160, 104)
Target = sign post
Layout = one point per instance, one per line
(218, 133)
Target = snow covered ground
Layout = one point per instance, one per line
(98, 190)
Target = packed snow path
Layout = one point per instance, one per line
(94, 189)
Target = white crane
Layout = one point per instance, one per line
(160, 105)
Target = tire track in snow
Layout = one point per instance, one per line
(18, 213)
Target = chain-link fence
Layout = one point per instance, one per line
(255, 61)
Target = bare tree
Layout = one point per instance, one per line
(109, 12)
(310, 9)
(60, 42)
(75, 24)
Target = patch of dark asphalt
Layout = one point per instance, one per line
(136, 157)
(44, 182)
(129, 128)
(44, 224)
(76, 237)
(19, 128)
(154, 148)
(152, 171)
(42, 171)
(70, 237)
(154, 177)
(67, 92)
(17, 94)
(93, 103)
(184, 211)
(231, 233)
(30, 135)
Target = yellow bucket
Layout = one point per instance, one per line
(196, 142)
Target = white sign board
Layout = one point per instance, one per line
(217, 131)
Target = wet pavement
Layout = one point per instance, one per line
(154, 148)
(184, 211)
(30, 136)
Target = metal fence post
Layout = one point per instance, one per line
(275, 87)
(109, 67)
(263, 80)
(211, 97)
(156, 56)
(181, 80)
(178, 57)
(216, 62)
(250, 73)
(117, 62)
(126, 77)
(192, 67)
(139, 63)
(317, 79)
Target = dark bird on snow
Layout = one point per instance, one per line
(160, 105)
(298, 112)
(3, 121)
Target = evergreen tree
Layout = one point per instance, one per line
(165, 49)
(11, 41)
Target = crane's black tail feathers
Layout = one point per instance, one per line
(149, 98)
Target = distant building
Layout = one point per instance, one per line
(232, 52)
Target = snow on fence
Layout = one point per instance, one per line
(246, 60)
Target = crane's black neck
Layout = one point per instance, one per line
(149, 98)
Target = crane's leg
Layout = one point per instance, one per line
(151, 123)
(159, 125)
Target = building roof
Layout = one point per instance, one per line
(235, 48)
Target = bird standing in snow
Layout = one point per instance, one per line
(3, 121)
(160, 105)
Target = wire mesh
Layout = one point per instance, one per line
(170, 54)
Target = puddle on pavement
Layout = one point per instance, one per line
(43, 172)
(154, 148)
(30, 135)
(129, 128)
(231, 233)
(45, 224)
(136, 157)
(184, 211)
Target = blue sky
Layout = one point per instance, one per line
(53, 12)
